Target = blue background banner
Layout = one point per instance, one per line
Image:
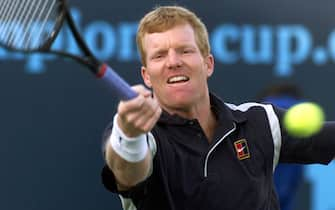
(53, 111)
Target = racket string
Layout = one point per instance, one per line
(5, 17)
(18, 19)
(2, 9)
(27, 24)
(8, 22)
(30, 20)
(45, 20)
(12, 14)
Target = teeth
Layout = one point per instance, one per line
(177, 79)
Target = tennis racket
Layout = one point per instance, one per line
(33, 25)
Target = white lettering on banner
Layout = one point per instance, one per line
(283, 46)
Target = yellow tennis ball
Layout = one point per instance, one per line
(304, 119)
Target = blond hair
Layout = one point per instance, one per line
(164, 18)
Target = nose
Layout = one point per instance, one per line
(174, 60)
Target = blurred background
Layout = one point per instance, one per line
(53, 112)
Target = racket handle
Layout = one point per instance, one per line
(118, 85)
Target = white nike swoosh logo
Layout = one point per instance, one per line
(241, 149)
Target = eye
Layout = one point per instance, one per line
(157, 56)
(187, 51)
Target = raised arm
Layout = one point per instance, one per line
(127, 153)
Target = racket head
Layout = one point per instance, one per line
(30, 25)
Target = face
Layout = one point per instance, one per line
(176, 70)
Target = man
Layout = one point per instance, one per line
(180, 146)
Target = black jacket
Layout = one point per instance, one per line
(233, 172)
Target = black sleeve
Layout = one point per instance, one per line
(136, 193)
(108, 179)
(319, 148)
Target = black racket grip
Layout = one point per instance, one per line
(118, 85)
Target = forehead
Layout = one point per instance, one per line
(180, 34)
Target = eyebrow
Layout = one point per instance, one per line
(183, 46)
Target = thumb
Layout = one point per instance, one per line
(142, 90)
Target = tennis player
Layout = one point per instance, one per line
(178, 146)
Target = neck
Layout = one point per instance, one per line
(200, 111)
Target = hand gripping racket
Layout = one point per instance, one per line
(33, 25)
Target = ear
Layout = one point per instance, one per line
(146, 77)
(209, 62)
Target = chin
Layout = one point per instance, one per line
(179, 99)
(180, 102)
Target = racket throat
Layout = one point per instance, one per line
(101, 70)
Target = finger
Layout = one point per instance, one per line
(149, 116)
(149, 124)
(133, 105)
(142, 90)
(143, 112)
(137, 102)
(135, 113)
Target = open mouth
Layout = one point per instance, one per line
(178, 79)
